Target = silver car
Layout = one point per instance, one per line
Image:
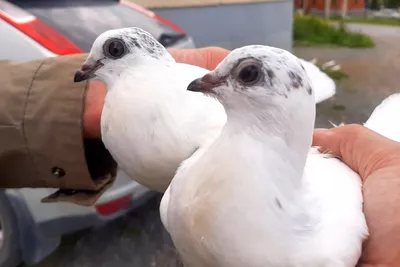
(32, 29)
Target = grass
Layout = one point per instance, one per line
(376, 21)
(315, 31)
(336, 75)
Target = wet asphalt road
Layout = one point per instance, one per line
(139, 240)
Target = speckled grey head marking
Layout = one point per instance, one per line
(279, 73)
(271, 74)
(258, 76)
(140, 39)
(296, 79)
(278, 203)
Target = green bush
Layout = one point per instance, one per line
(310, 30)
(378, 21)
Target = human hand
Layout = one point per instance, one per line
(94, 103)
(377, 160)
(208, 58)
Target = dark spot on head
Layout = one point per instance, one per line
(296, 80)
(309, 90)
(135, 43)
(270, 77)
(278, 203)
(150, 51)
(270, 73)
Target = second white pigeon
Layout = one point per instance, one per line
(259, 195)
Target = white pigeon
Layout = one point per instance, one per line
(383, 117)
(150, 122)
(259, 195)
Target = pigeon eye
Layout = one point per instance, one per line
(114, 48)
(249, 73)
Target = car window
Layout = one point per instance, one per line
(83, 21)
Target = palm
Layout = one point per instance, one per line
(382, 210)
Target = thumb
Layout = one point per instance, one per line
(360, 148)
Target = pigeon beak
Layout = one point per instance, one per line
(205, 84)
(87, 71)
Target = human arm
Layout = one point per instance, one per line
(48, 126)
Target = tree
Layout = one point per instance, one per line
(344, 8)
(327, 9)
(305, 6)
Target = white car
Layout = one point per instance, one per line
(33, 29)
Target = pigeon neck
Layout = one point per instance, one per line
(292, 126)
(134, 63)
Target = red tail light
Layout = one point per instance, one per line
(38, 31)
(114, 206)
(152, 15)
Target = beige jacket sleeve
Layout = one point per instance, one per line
(41, 135)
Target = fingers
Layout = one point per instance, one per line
(360, 148)
(213, 56)
(94, 102)
(207, 57)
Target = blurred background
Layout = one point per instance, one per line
(355, 42)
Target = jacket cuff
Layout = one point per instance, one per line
(54, 135)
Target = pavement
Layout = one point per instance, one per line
(139, 239)
(374, 74)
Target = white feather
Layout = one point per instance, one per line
(336, 68)
(328, 64)
(383, 119)
(323, 85)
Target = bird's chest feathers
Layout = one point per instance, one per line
(136, 128)
(225, 201)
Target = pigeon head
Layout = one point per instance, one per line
(256, 76)
(115, 50)
(265, 90)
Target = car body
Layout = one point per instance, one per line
(33, 29)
